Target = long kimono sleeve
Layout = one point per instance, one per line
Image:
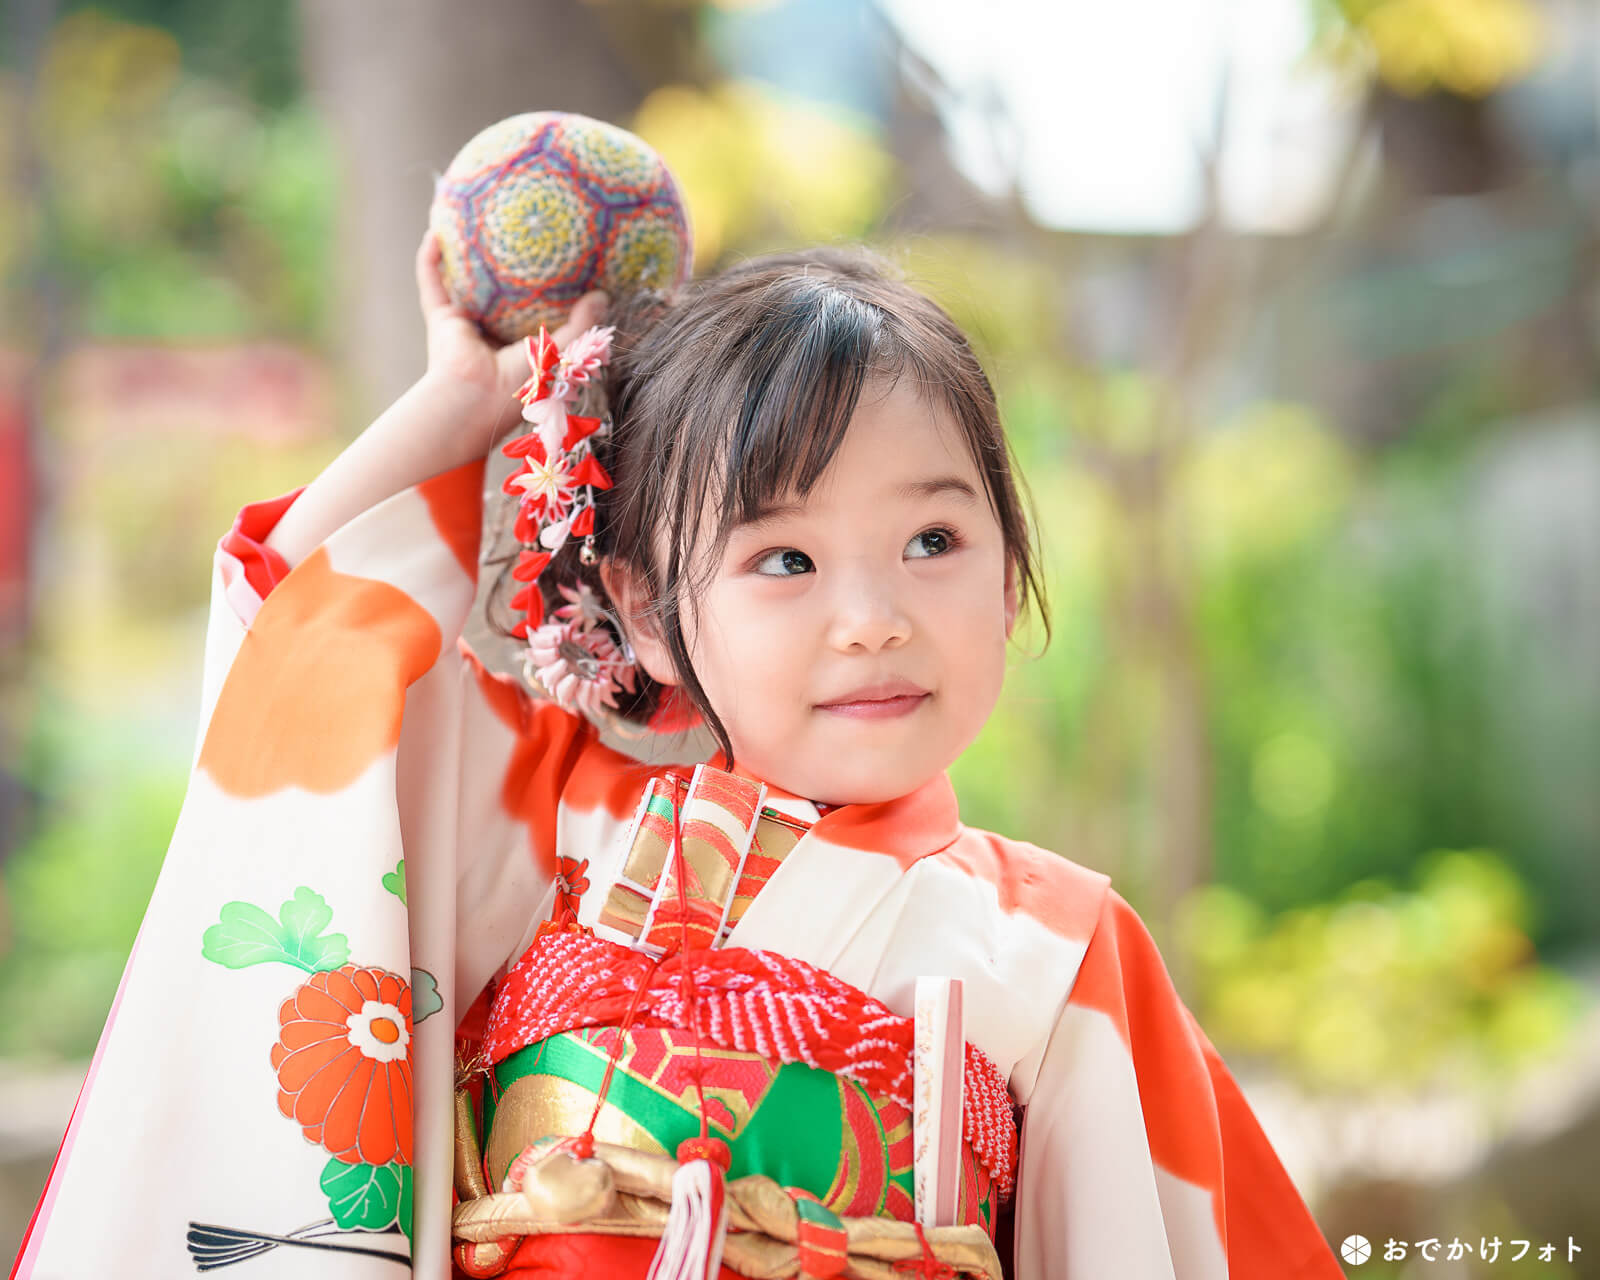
(1140, 1157)
(369, 826)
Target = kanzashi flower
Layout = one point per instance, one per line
(583, 605)
(546, 484)
(582, 360)
(543, 359)
(580, 667)
(344, 1063)
(549, 419)
(574, 657)
(561, 375)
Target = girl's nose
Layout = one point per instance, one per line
(867, 616)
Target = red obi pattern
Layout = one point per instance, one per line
(752, 1001)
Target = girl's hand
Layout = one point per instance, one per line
(450, 416)
(474, 373)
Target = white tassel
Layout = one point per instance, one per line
(697, 1224)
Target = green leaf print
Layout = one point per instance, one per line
(395, 881)
(425, 997)
(364, 1197)
(304, 917)
(404, 1212)
(247, 935)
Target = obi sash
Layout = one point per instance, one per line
(807, 1078)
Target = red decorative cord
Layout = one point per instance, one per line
(687, 989)
(928, 1265)
(586, 1138)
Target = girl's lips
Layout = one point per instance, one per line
(877, 708)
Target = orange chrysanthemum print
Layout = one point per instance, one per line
(344, 1063)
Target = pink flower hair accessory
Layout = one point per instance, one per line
(575, 659)
(574, 656)
(580, 656)
(558, 473)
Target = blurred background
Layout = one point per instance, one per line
(1294, 311)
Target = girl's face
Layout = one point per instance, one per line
(854, 643)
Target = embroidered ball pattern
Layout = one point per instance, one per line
(538, 209)
(751, 1001)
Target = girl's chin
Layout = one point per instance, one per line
(853, 768)
(863, 786)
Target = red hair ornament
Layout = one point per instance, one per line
(580, 656)
(556, 481)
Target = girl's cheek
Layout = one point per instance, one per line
(774, 613)
(964, 600)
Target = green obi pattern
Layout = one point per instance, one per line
(801, 1126)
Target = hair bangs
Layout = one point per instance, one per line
(797, 378)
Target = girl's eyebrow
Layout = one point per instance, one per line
(953, 486)
(934, 487)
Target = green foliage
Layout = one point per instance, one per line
(1367, 701)
(395, 881)
(238, 42)
(1465, 47)
(73, 898)
(1366, 695)
(757, 167)
(364, 1197)
(156, 553)
(247, 935)
(1383, 987)
(180, 204)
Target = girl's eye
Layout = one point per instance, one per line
(929, 543)
(785, 563)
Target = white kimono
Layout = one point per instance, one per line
(346, 730)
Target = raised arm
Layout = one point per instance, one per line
(452, 414)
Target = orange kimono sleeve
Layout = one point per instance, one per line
(1140, 1156)
(369, 831)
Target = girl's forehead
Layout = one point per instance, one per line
(900, 446)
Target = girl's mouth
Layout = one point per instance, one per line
(877, 708)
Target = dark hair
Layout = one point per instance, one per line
(739, 390)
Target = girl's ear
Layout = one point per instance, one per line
(627, 591)
(1010, 599)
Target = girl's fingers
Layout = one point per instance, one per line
(587, 312)
(430, 287)
(512, 363)
(511, 360)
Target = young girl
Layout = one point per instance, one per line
(423, 938)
